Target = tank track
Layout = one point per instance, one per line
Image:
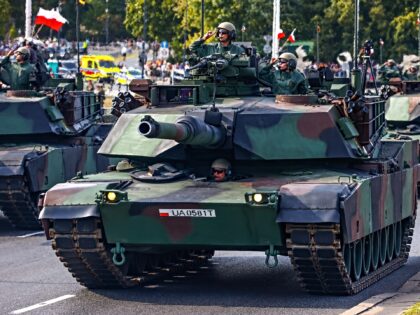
(320, 264)
(80, 245)
(17, 203)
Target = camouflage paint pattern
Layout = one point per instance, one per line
(403, 108)
(339, 190)
(43, 143)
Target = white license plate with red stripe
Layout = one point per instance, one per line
(193, 213)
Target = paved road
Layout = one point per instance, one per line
(235, 283)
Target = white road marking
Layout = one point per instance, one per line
(42, 304)
(31, 234)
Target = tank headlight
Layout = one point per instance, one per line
(262, 198)
(111, 196)
(257, 198)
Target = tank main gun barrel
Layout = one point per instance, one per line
(186, 130)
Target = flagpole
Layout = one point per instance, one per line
(287, 40)
(276, 28)
(39, 29)
(317, 44)
(28, 18)
(77, 36)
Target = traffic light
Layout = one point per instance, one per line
(82, 2)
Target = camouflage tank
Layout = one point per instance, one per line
(310, 177)
(46, 138)
(402, 110)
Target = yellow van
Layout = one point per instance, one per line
(98, 67)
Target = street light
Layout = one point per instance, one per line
(106, 23)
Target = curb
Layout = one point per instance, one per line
(392, 303)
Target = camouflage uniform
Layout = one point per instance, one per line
(198, 47)
(411, 74)
(388, 72)
(19, 74)
(284, 82)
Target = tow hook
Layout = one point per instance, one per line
(118, 250)
(271, 252)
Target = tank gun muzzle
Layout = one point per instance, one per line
(187, 130)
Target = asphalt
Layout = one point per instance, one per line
(393, 303)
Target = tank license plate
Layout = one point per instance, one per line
(194, 213)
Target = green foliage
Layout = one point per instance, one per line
(5, 19)
(414, 310)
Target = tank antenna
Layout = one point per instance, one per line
(202, 18)
(356, 34)
(355, 72)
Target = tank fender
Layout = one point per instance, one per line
(311, 203)
(13, 161)
(69, 212)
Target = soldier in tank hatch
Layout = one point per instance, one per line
(388, 71)
(225, 33)
(411, 74)
(19, 73)
(221, 170)
(287, 79)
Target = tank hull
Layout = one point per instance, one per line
(329, 221)
(29, 170)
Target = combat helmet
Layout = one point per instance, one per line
(230, 28)
(24, 51)
(290, 58)
(222, 165)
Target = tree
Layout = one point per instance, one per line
(6, 21)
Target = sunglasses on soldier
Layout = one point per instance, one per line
(222, 32)
(218, 171)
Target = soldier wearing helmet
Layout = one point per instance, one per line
(287, 79)
(18, 74)
(412, 73)
(221, 170)
(225, 33)
(388, 71)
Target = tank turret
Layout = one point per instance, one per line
(186, 130)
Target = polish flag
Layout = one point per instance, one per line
(418, 21)
(291, 37)
(280, 34)
(51, 18)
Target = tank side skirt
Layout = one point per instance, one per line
(315, 251)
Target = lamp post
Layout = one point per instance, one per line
(28, 18)
(144, 53)
(106, 23)
(184, 55)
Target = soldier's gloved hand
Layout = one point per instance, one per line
(208, 35)
(11, 52)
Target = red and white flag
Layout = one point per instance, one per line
(280, 34)
(292, 37)
(51, 18)
(418, 21)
